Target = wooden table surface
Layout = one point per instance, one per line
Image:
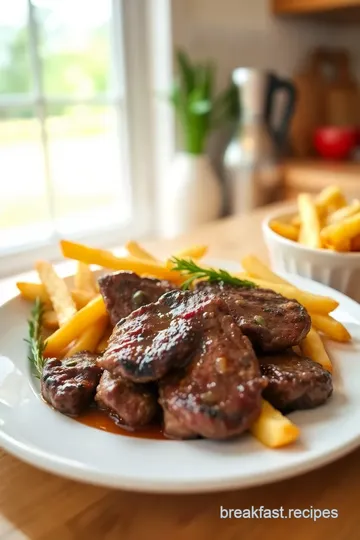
(42, 506)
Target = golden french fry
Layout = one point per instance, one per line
(285, 229)
(58, 292)
(103, 343)
(106, 259)
(295, 221)
(257, 269)
(310, 224)
(84, 278)
(32, 291)
(273, 429)
(71, 330)
(343, 213)
(50, 320)
(192, 252)
(330, 327)
(82, 298)
(312, 302)
(329, 199)
(90, 337)
(337, 234)
(244, 275)
(313, 347)
(139, 252)
(343, 247)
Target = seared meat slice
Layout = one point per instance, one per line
(271, 322)
(174, 428)
(123, 292)
(134, 404)
(295, 382)
(157, 337)
(218, 395)
(70, 385)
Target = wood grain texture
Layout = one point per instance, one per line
(314, 175)
(40, 506)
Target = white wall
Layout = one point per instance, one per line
(244, 32)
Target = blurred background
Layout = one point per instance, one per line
(145, 118)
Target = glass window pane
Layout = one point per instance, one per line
(24, 213)
(90, 188)
(15, 74)
(75, 45)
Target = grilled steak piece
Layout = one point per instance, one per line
(295, 382)
(70, 385)
(174, 428)
(218, 395)
(271, 322)
(134, 404)
(157, 337)
(123, 292)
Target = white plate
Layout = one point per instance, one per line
(35, 433)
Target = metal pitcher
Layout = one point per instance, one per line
(251, 160)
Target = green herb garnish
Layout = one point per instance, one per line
(259, 320)
(189, 267)
(35, 341)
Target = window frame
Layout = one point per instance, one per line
(144, 122)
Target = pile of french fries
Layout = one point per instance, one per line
(327, 221)
(77, 320)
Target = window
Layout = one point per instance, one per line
(76, 135)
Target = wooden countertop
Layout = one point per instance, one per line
(313, 176)
(40, 506)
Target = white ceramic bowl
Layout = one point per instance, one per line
(340, 271)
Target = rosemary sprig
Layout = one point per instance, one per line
(35, 341)
(190, 268)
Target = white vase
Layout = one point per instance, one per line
(193, 195)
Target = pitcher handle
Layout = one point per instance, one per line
(276, 84)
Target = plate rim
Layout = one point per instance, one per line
(95, 478)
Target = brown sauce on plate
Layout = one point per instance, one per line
(101, 420)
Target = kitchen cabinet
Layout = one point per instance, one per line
(313, 6)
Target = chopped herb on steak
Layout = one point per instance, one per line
(123, 292)
(270, 321)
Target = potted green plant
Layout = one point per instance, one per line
(194, 191)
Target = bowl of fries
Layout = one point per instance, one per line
(319, 238)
